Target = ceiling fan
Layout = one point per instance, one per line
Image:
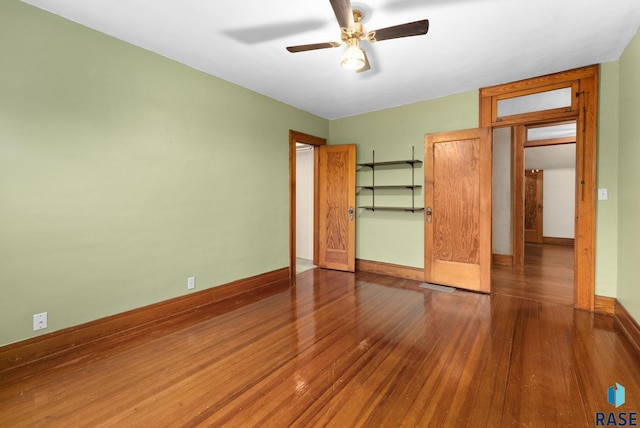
(352, 33)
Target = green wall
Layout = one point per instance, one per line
(607, 211)
(398, 237)
(628, 180)
(122, 173)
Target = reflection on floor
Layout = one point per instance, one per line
(547, 275)
(338, 349)
(303, 265)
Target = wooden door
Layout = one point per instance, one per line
(533, 207)
(458, 171)
(337, 199)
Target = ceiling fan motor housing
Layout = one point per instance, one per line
(357, 31)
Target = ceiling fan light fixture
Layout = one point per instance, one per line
(353, 58)
(352, 33)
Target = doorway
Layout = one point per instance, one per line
(545, 200)
(295, 140)
(305, 174)
(334, 195)
(574, 95)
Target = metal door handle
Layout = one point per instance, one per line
(351, 213)
(428, 214)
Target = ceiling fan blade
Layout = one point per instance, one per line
(366, 65)
(344, 14)
(417, 28)
(313, 46)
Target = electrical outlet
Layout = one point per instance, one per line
(39, 321)
(191, 283)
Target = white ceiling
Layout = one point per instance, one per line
(470, 44)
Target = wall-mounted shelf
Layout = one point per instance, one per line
(379, 208)
(412, 163)
(398, 162)
(407, 186)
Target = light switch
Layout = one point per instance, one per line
(603, 194)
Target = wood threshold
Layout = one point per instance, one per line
(628, 325)
(389, 269)
(70, 339)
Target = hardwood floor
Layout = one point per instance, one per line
(547, 275)
(343, 350)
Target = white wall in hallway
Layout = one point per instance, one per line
(558, 163)
(304, 204)
(502, 234)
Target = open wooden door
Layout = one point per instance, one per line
(533, 184)
(337, 210)
(458, 169)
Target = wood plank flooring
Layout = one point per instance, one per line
(547, 275)
(339, 349)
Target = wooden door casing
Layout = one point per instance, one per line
(337, 197)
(586, 115)
(533, 206)
(458, 193)
(300, 137)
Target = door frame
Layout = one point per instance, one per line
(300, 137)
(519, 143)
(584, 109)
(519, 147)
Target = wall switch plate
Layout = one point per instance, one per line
(191, 283)
(39, 321)
(603, 194)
